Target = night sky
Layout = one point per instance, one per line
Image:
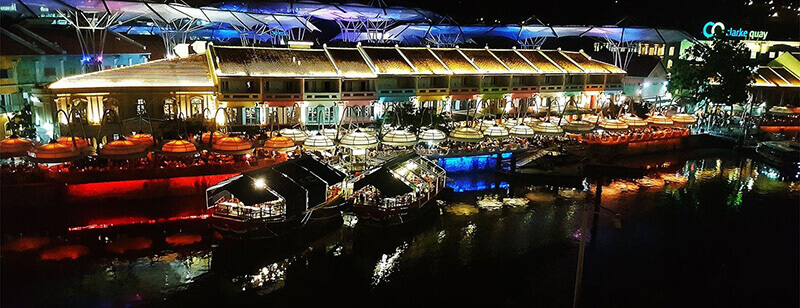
(688, 15)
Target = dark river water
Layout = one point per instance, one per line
(715, 230)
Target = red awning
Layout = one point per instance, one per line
(522, 94)
(463, 96)
(358, 102)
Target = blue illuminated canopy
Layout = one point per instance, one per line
(422, 33)
(349, 11)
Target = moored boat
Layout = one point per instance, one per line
(278, 200)
(398, 192)
(783, 154)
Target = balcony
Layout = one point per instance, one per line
(433, 91)
(240, 96)
(358, 95)
(281, 96)
(311, 96)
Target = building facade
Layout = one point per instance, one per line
(34, 57)
(253, 86)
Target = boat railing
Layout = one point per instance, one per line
(262, 211)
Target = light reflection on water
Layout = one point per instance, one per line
(267, 279)
(462, 233)
(387, 265)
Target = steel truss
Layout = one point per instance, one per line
(264, 32)
(622, 51)
(91, 28)
(375, 29)
(531, 42)
(177, 31)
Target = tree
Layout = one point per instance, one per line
(21, 123)
(406, 116)
(719, 72)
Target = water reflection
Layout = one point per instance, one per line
(387, 264)
(267, 279)
(525, 221)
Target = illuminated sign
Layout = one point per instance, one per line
(711, 28)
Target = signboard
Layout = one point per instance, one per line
(711, 28)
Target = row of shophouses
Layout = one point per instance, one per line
(255, 86)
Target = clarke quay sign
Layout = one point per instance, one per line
(712, 28)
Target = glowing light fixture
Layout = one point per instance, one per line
(399, 137)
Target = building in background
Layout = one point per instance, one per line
(35, 56)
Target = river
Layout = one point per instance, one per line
(714, 230)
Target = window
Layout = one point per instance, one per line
(233, 114)
(169, 108)
(196, 104)
(77, 111)
(672, 50)
(669, 63)
(251, 116)
(330, 115)
(141, 107)
(49, 71)
(359, 111)
(5, 74)
(313, 115)
(110, 104)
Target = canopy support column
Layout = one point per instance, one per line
(176, 32)
(91, 28)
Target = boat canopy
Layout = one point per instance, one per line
(385, 182)
(387, 178)
(301, 182)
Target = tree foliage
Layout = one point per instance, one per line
(406, 116)
(719, 72)
(21, 123)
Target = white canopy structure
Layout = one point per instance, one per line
(359, 140)
(466, 134)
(295, 134)
(174, 22)
(432, 136)
(319, 142)
(399, 137)
(496, 131)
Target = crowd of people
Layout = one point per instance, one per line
(153, 164)
(231, 206)
(633, 135)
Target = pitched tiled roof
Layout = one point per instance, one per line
(350, 62)
(424, 61)
(760, 81)
(772, 77)
(455, 61)
(485, 61)
(787, 75)
(275, 62)
(176, 73)
(592, 65)
(513, 60)
(388, 60)
(562, 61)
(540, 61)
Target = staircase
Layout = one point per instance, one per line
(529, 158)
